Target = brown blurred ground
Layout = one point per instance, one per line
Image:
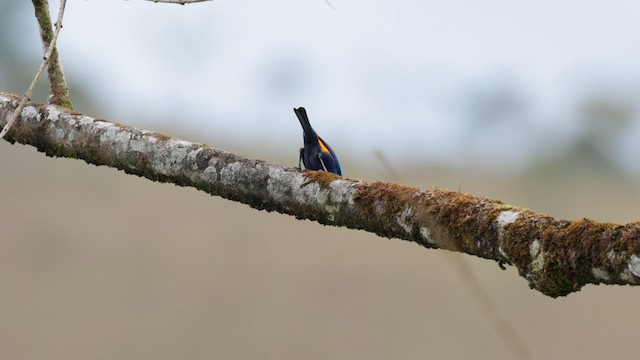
(97, 264)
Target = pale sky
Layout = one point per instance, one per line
(372, 74)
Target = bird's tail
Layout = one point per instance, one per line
(301, 113)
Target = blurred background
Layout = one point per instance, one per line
(535, 104)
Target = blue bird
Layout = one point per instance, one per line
(316, 153)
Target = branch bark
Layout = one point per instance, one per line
(180, 2)
(556, 257)
(59, 90)
(27, 95)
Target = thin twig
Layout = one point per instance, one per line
(27, 95)
(510, 336)
(330, 4)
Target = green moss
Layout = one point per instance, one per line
(161, 136)
(466, 223)
(122, 126)
(59, 89)
(377, 197)
(570, 261)
(322, 178)
(571, 250)
(15, 97)
(380, 204)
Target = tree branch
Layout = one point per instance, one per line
(556, 257)
(184, 2)
(509, 334)
(27, 95)
(59, 90)
(180, 2)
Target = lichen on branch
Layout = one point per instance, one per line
(556, 257)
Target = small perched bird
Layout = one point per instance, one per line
(316, 153)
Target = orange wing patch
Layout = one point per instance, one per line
(322, 145)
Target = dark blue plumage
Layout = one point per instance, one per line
(316, 153)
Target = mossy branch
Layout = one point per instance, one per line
(556, 257)
(59, 90)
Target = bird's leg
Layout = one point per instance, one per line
(300, 158)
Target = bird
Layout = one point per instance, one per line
(316, 153)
